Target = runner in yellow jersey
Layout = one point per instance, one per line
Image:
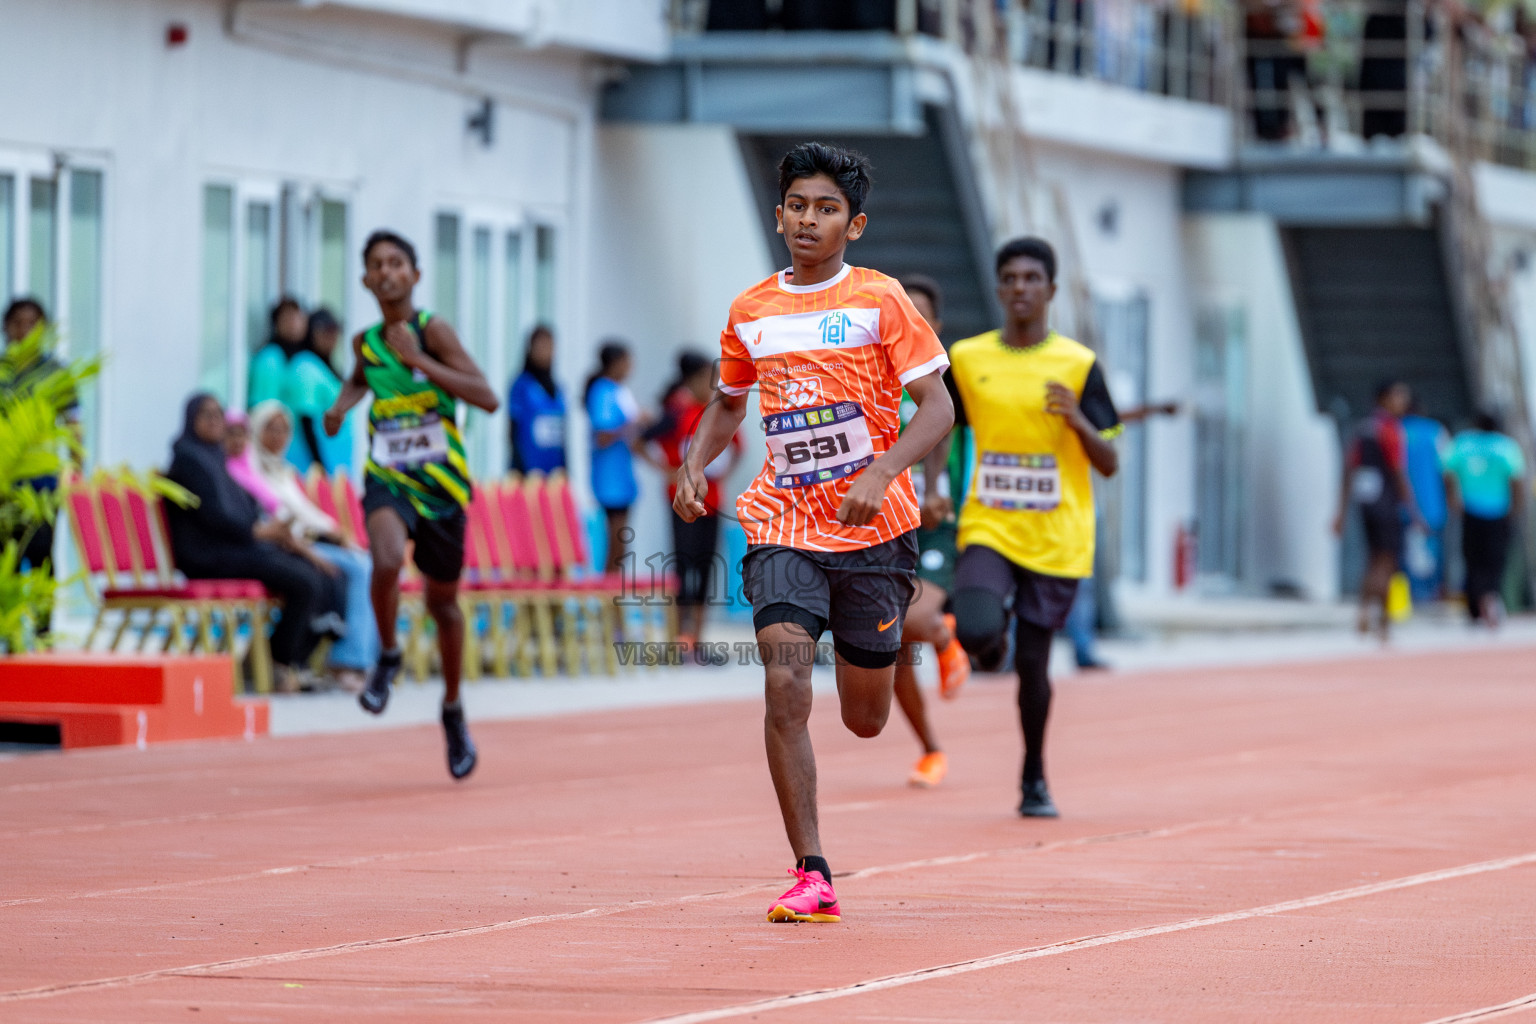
(1042, 421)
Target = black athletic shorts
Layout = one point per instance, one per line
(1036, 598)
(1383, 529)
(861, 595)
(439, 542)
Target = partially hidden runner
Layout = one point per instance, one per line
(417, 480)
(830, 519)
(937, 481)
(1042, 420)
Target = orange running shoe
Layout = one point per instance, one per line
(929, 771)
(954, 664)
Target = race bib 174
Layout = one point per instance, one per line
(815, 446)
(410, 441)
(1005, 480)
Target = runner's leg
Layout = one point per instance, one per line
(386, 543)
(1032, 657)
(788, 655)
(864, 695)
(924, 624)
(442, 599)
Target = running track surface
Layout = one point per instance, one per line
(1347, 841)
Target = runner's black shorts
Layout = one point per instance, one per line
(1036, 598)
(1383, 529)
(860, 595)
(439, 542)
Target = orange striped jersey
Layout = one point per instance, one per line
(829, 361)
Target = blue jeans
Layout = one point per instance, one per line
(359, 649)
(1081, 621)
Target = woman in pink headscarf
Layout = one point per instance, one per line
(241, 462)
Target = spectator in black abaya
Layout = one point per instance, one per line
(222, 537)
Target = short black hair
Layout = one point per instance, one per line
(24, 302)
(1488, 420)
(285, 302)
(1385, 387)
(1032, 247)
(925, 285)
(848, 168)
(385, 235)
(323, 319)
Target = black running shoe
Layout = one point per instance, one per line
(375, 696)
(1037, 801)
(461, 749)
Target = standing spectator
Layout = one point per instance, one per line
(1426, 444)
(222, 537)
(1485, 475)
(310, 387)
(269, 366)
(26, 321)
(1376, 482)
(354, 654)
(616, 424)
(536, 409)
(694, 545)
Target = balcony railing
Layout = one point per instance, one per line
(1373, 72)
(1151, 47)
(1331, 77)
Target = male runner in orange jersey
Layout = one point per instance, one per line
(830, 518)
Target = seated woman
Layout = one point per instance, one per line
(222, 537)
(354, 654)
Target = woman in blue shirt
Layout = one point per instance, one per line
(616, 423)
(1485, 474)
(536, 409)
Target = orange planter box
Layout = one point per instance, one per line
(108, 700)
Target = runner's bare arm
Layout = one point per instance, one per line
(445, 363)
(352, 391)
(1062, 401)
(716, 428)
(930, 424)
(935, 506)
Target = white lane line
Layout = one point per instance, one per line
(1091, 941)
(1508, 1009)
(402, 855)
(122, 981)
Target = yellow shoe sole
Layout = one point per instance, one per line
(781, 914)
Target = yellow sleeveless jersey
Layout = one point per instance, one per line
(1030, 494)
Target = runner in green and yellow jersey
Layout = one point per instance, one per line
(418, 483)
(936, 479)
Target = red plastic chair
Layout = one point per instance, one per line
(355, 522)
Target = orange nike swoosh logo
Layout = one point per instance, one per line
(759, 339)
(886, 625)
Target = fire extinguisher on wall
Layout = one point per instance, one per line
(1183, 556)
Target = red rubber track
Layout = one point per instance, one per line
(1347, 841)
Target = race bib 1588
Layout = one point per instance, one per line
(1013, 482)
(815, 446)
(410, 441)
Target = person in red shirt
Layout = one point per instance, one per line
(1375, 481)
(695, 543)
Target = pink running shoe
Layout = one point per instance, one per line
(810, 899)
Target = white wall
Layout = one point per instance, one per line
(676, 237)
(627, 28)
(1293, 451)
(382, 124)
